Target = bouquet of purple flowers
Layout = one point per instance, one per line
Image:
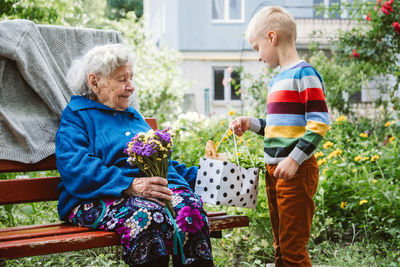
(149, 151)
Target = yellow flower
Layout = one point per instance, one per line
(231, 112)
(374, 157)
(325, 170)
(341, 118)
(249, 140)
(335, 161)
(374, 181)
(222, 122)
(240, 140)
(321, 161)
(343, 204)
(319, 154)
(238, 154)
(335, 153)
(389, 123)
(354, 170)
(363, 134)
(366, 158)
(358, 158)
(327, 144)
(217, 143)
(229, 133)
(391, 139)
(363, 201)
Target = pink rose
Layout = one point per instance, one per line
(355, 54)
(396, 26)
(368, 17)
(384, 10)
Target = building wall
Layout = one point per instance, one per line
(198, 68)
(187, 25)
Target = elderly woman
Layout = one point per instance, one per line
(99, 189)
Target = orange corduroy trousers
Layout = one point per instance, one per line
(291, 209)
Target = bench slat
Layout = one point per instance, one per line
(57, 243)
(31, 190)
(33, 231)
(59, 228)
(41, 231)
(46, 164)
(219, 223)
(33, 240)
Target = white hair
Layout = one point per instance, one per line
(102, 60)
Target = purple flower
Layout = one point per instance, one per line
(189, 220)
(164, 136)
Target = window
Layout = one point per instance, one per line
(226, 84)
(228, 10)
(333, 13)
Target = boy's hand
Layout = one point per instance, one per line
(240, 125)
(286, 169)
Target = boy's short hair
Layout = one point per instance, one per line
(273, 18)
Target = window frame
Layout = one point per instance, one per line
(226, 18)
(227, 88)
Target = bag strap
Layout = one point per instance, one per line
(235, 143)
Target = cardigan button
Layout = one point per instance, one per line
(128, 133)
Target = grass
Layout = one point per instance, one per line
(359, 254)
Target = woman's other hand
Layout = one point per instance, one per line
(240, 125)
(153, 188)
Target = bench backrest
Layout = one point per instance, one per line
(27, 190)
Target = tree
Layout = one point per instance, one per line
(35, 10)
(372, 48)
(117, 9)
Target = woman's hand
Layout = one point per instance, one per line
(240, 125)
(153, 188)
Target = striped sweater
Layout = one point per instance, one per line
(297, 115)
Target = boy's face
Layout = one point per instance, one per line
(266, 49)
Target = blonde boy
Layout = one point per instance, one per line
(297, 119)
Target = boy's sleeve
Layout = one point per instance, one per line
(311, 88)
(257, 126)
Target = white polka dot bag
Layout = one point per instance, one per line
(226, 183)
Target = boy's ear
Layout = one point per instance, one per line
(272, 37)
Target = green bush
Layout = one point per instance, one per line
(358, 195)
(357, 200)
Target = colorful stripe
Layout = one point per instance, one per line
(286, 120)
(312, 94)
(297, 116)
(317, 127)
(284, 96)
(317, 116)
(284, 131)
(285, 108)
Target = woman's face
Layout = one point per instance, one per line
(115, 89)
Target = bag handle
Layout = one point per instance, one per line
(235, 143)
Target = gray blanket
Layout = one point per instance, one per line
(33, 91)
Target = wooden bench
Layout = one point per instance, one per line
(31, 240)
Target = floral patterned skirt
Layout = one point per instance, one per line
(147, 231)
